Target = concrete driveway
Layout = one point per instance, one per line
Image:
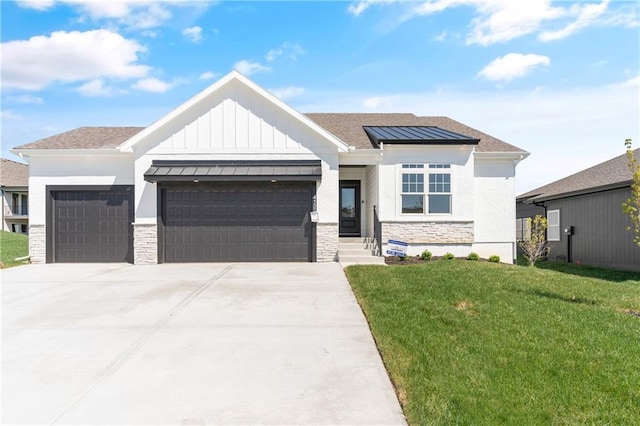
(189, 344)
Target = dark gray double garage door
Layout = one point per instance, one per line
(208, 222)
(237, 222)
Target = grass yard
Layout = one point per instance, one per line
(12, 245)
(484, 344)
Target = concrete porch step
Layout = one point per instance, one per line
(358, 251)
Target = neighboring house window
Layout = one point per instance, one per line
(523, 229)
(412, 188)
(19, 228)
(440, 189)
(553, 225)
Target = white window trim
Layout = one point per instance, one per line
(413, 168)
(426, 169)
(444, 169)
(555, 226)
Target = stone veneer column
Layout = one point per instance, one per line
(429, 232)
(326, 242)
(145, 243)
(37, 243)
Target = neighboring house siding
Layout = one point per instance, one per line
(528, 210)
(600, 236)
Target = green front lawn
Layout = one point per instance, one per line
(11, 246)
(481, 343)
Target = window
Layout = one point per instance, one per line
(523, 229)
(19, 228)
(412, 189)
(439, 190)
(553, 225)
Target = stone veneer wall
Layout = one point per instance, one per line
(326, 242)
(429, 232)
(145, 244)
(37, 243)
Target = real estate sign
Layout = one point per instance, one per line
(397, 248)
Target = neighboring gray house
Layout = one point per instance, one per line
(590, 202)
(14, 187)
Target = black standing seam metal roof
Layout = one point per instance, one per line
(220, 171)
(416, 135)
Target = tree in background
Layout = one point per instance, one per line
(536, 247)
(632, 205)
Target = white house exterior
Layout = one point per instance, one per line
(234, 174)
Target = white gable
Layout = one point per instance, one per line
(236, 116)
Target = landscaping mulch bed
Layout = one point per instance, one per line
(412, 260)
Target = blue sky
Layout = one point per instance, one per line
(557, 78)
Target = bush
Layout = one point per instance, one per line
(426, 255)
(495, 258)
(449, 256)
(473, 256)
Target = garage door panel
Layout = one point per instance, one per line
(92, 226)
(238, 222)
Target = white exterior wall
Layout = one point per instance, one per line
(495, 208)
(100, 168)
(462, 181)
(371, 198)
(236, 123)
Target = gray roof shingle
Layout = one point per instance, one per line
(13, 174)
(85, 138)
(346, 126)
(612, 172)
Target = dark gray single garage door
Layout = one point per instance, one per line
(238, 222)
(92, 226)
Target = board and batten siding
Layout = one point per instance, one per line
(600, 237)
(236, 119)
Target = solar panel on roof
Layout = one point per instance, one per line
(416, 135)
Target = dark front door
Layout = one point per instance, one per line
(350, 208)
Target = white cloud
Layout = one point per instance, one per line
(26, 99)
(36, 4)
(70, 56)
(152, 85)
(357, 7)
(586, 13)
(512, 65)
(133, 14)
(287, 92)
(7, 114)
(194, 34)
(95, 88)
(632, 82)
(247, 67)
(208, 75)
(497, 21)
(441, 37)
(288, 50)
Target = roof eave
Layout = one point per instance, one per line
(503, 155)
(602, 188)
(26, 152)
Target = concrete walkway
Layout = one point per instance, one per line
(188, 344)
